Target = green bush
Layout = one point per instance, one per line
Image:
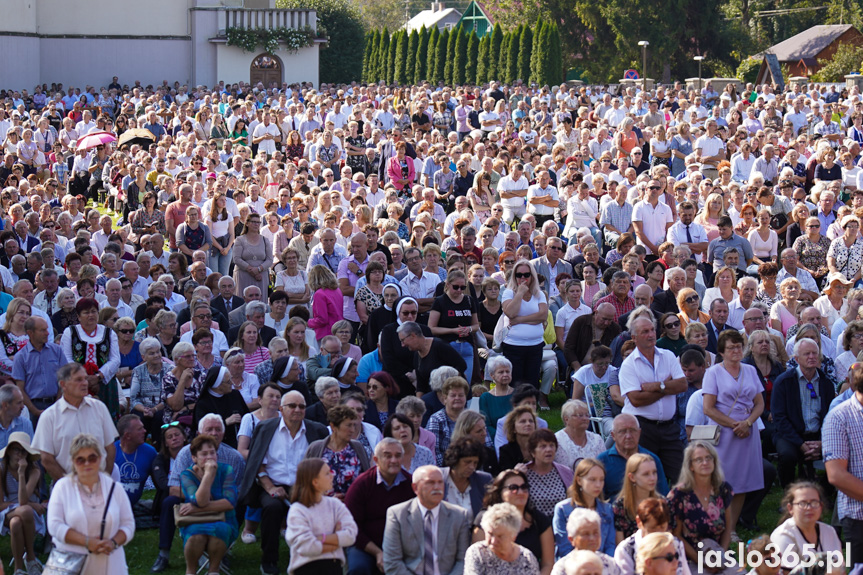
(846, 60)
(748, 70)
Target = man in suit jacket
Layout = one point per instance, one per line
(717, 323)
(238, 314)
(226, 301)
(797, 434)
(666, 301)
(551, 261)
(423, 525)
(279, 441)
(256, 312)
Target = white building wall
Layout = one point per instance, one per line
(19, 16)
(19, 62)
(234, 64)
(113, 17)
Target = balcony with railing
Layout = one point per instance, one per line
(268, 19)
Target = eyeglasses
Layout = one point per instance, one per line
(172, 424)
(654, 187)
(295, 405)
(691, 299)
(813, 225)
(672, 324)
(516, 487)
(669, 557)
(204, 316)
(126, 331)
(92, 458)
(813, 504)
(508, 262)
(554, 248)
(522, 275)
(705, 459)
(457, 287)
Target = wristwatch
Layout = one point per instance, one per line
(662, 385)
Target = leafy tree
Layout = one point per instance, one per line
(501, 58)
(383, 52)
(494, 52)
(472, 55)
(512, 54)
(536, 53)
(555, 60)
(846, 60)
(452, 41)
(748, 70)
(421, 56)
(410, 61)
(440, 58)
(525, 47)
(431, 57)
(341, 60)
(400, 69)
(459, 66)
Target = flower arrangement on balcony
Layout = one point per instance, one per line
(270, 39)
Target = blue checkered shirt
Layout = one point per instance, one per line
(843, 429)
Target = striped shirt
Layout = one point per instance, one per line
(843, 428)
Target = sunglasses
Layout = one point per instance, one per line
(172, 424)
(516, 487)
(522, 275)
(669, 557)
(295, 405)
(92, 458)
(811, 388)
(691, 299)
(458, 287)
(672, 325)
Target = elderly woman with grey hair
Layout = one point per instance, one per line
(415, 409)
(145, 391)
(496, 403)
(182, 385)
(433, 399)
(499, 554)
(329, 394)
(583, 529)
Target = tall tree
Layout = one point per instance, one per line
(440, 58)
(494, 52)
(538, 53)
(525, 47)
(512, 54)
(431, 57)
(400, 68)
(421, 56)
(383, 54)
(501, 65)
(368, 56)
(391, 58)
(555, 57)
(452, 41)
(341, 61)
(482, 60)
(459, 66)
(410, 61)
(472, 54)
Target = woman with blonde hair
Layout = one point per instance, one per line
(714, 208)
(327, 308)
(584, 493)
(639, 483)
(724, 282)
(524, 302)
(783, 314)
(13, 336)
(657, 555)
(688, 303)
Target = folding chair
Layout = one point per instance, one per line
(595, 419)
(204, 563)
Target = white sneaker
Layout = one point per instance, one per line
(34, 567)
(248, 538)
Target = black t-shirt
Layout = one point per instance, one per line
(454, 314)
(441, 353)
(421, 120)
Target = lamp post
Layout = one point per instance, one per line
(644, 44)
(699, 59)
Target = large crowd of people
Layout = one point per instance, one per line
(333, 318)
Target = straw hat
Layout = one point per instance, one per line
(23, 440)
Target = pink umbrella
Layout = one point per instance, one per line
(94, 139)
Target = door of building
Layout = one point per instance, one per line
(266, 69)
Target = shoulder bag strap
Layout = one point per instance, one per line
(105, 512)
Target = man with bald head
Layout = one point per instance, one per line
(351, 269)
(445, 530)
(650, 379)
(277, 447)
(626, 433)
(589, 331)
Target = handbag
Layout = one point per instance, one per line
(70, 562)
(186, 520)
(710, 433)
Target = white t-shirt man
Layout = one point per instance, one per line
(268, 146)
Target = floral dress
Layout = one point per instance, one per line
(813, 256)
(483, 211)
(328, 154)
(700, 523)
(11, 345)
(848, 259)
(372, 300)
(356, 163)
(345, 465)
(190, 395)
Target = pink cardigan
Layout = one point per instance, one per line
(326, 310)
(394, 171)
